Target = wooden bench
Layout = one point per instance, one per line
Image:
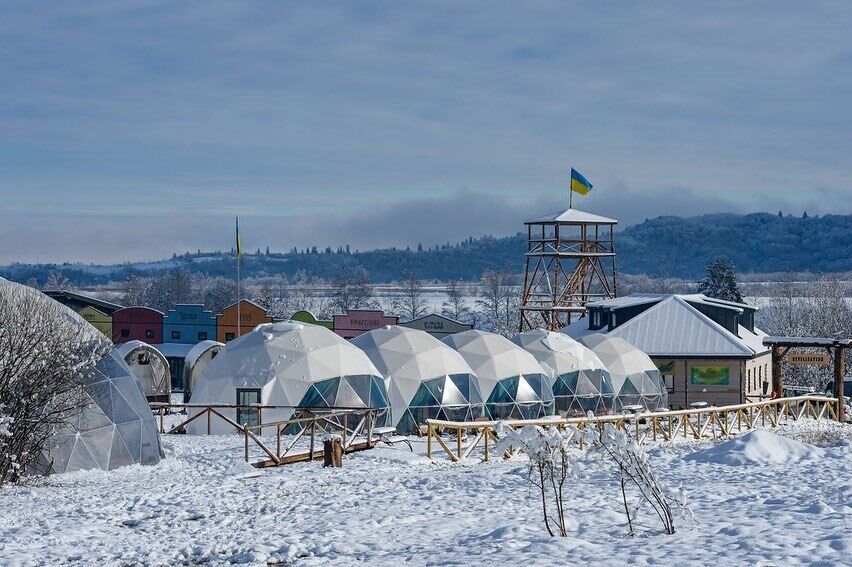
(388, 436)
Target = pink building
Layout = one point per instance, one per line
(359, 321)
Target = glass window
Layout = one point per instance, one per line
(142, 359)
(125, 333)
(229, 337)
(246, 397)
(149, 333)
(202, 335)
(175, 334)
(669, 378)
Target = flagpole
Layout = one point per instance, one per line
(239, 315)
(570, 195)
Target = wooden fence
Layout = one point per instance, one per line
(699, 423)
(354, 425)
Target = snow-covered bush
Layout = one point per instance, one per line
(634, 468)
(44, 360)
(552, 461)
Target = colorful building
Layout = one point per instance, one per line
(251, 315)
(98, 319)
(437, 325)
(77, 301)
(357, 321)
(137, 323)
(188, 324)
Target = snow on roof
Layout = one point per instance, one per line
(199, 349)
(673, 327)
(558, 351)
(493, 357)
(571, 216)
(125, 349)
(628, 300)
(174, 350)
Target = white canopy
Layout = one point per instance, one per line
(426, 379)
(197, 359)
(513, 383)
(288, 364)
(150, 367)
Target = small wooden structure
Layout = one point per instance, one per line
(836, 348)
(570, 261)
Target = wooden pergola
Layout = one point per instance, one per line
(836, 349)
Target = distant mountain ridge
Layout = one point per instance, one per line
(670, 245)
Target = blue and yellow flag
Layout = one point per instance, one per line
(239, 244)
(579, 184)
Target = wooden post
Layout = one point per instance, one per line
(777, 382)
(278, 441)
(487, 433)
(245, 434)
(313, 436)
(332, 455)
(458, 442)
(162, 429)
(839, 360)
(429, 440)
(209, 410)
(345, 427)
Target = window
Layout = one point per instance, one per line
(125, 333)
(176, 335)
(229, 337)
(596, 319)
(213, 354)
(669, 379)
(202, 335)
(246, 397)
(149, 333)
(142, 359)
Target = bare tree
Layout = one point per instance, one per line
(410, 304)
(57, 281)
(455, 305)
(45, 359)
(499, 302)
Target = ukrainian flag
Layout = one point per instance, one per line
(579, 184)
(239, 244)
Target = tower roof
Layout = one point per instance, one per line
(571, 216)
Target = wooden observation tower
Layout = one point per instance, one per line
(570, 261)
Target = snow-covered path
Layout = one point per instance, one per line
(202, 504)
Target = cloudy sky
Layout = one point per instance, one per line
(129, 130)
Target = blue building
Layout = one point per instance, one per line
(188, 324)
(184, 326)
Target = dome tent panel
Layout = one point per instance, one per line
(581, 382)
(86, 441)
(512, 382)
(425, 378)
(635, 378)
(150, 367)
(291, 364)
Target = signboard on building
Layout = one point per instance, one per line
(805, 359)
(357, 322)
(709, 375)
(437, 325)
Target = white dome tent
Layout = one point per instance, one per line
(150, 367)
(426, 379)
(117, 427)
(197, 359)
(581, 382)
(635, 378)
(513, 383)
(287, 364)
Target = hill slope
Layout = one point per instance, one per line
(677, 246)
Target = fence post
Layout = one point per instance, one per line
(429, 440)
(209, 410)
(345, 427)
(313, 436)
(278, 441)
(487, 432)
(162, 429)
(458, 442)
(260, 421)
(245, 434)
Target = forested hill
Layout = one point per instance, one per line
(675, 246)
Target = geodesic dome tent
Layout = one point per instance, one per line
(581, 382)
(116, 426)
(512, 382)
(635, 378)
(425, 378)
(196, 360)
(287, 364)
(150, 367)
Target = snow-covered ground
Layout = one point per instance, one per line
(387, 506)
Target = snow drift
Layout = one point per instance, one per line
(757, 447)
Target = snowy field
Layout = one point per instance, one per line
(769, 503)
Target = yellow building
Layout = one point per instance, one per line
(100, 320)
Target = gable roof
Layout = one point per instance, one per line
(105, 307)
(571, 216)
(675, 328)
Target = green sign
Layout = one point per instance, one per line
(709, 375)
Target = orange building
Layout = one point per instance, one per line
(251, 315)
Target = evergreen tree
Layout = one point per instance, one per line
(721, 282)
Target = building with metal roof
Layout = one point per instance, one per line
(706, 349)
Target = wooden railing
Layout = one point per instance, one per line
(355, 425)
(698, 423)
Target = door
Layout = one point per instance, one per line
(246, 397)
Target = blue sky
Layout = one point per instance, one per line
(134, 129)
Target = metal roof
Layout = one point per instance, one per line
(628, 300)
(806, 341)
(675, 328)
(571, 216)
